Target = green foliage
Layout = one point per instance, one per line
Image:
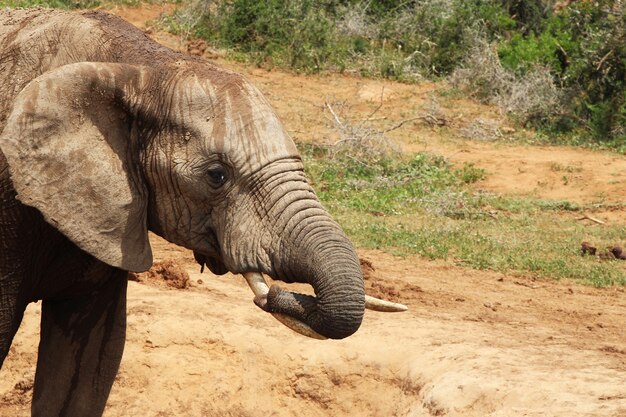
(296, 34)
(397, 40)
(434, 36)
(585, 47)
(529, 15)
(293, 34)
(521, 52)
(387, 186)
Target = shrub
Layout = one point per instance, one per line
(398, 40)
(529, 15)
(584, 46)
(530, 97)
(564, 72)
(295, 34)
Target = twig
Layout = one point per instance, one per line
(399, 125)
(382, 98)
(430, 119)
(433, 120)
(593, 219)
(604, 58)
(565, 56)
(524, 284)
(337, 119)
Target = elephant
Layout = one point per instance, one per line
(106, 135)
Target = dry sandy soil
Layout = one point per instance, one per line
(473, 343)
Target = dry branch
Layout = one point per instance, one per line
(399, 125)
(362, 142)
(337, 119)
(593, 219)
(604, 58)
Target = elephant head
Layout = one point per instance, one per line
(195, 154)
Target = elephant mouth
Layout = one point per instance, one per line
(259, 287)
(215, 265)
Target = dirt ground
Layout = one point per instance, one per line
(473, 343)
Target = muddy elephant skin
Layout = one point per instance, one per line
(106, 135)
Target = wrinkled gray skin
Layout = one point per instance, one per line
(106, 135)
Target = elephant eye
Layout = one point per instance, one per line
(217, 176)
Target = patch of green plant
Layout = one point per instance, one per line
(385, 185)
(584, 45)
(525, 244)
(424, 205)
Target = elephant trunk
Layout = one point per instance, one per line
(317, 252)
(337, 309)
(308, 246)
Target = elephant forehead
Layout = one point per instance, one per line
(241, 123)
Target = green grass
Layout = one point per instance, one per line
(424, 205)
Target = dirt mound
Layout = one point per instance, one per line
(164, 274)
(385, 288)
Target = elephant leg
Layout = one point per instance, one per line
(11, 313)
(82, 341)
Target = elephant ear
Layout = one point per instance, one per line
(68, 143)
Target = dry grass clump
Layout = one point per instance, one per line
(482, 129)
(532, 97)
(481, 74)
(359, 140)
(355, 23)
(529, 97)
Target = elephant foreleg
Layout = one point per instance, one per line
(11, 313)
(81, 346)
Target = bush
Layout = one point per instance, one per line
(435, 35)
(530, 97)
(564, 71)
(295, 34)
(397, 40)
(584, 46)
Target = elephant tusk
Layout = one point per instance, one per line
(260, 288)
(377, 304)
